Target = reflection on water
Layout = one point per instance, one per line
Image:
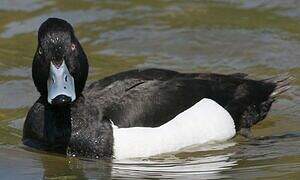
(249, 159)
(40, 165)
(200, 168)
(37, 165)
(258, 37)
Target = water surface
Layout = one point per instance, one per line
(258, 37)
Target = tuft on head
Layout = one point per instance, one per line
(54, 25)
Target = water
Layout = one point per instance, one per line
(261, 38)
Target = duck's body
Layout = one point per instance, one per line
(152, 97)
(68, 121)
(145, 98)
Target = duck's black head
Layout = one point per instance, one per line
(60, 66)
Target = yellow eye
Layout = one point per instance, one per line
(72, 47)
(40, 51)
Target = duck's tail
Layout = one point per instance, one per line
(255, 113)
(282, 84)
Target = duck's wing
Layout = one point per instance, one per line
(152, 97)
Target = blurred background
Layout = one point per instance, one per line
(258, 37)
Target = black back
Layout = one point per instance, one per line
(153, 97)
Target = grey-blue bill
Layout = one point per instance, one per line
(60, 82)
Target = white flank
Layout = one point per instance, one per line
(204, 122)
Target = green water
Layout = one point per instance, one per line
(258, 37)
